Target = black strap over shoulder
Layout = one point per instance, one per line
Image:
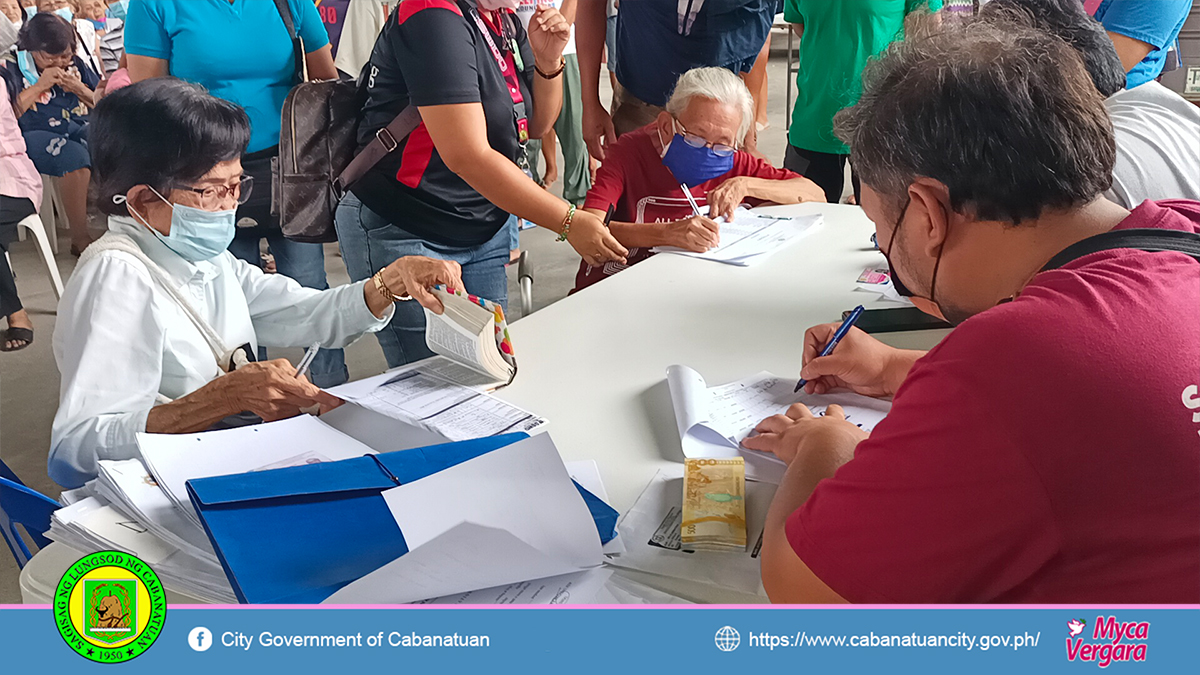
(285, 13)
(1151, 240)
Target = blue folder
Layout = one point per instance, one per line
(297, 534)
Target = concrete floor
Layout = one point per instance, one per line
(29, 378)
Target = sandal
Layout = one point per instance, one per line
(23, 335)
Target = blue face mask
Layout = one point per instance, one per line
(693, 166)
(30, 11)
(66, 13)
(99, 24)
(196, 234)
(27, 67)
(117, 11)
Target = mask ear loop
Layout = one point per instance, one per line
(122, 199)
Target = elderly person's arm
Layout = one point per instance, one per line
(724, 200)
(108, 345)
(286, 314)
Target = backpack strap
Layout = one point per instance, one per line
(386, 140)
(285, 13)
(1151, 240)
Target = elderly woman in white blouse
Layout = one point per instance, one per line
(158, 321)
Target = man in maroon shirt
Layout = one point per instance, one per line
(692, 142)
(1046, 451)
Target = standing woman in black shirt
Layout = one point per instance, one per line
(474, 75)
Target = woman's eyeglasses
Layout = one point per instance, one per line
(720, 149)
(215, 196)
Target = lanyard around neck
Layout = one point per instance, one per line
(512, 82)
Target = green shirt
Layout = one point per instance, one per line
(839, 37)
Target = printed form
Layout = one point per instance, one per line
(714, 421)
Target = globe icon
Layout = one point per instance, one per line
(728, 639)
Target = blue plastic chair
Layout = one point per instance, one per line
(7, 473)
(20, 505)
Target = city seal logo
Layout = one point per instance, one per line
(109, 607)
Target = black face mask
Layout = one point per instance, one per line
(896, 283)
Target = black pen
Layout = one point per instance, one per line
(612, 208)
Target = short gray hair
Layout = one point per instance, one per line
(717, 84)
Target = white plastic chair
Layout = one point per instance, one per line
(51, 202)
(34, 225)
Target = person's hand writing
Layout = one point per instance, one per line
(415, 275)
(694, 233)
(859, 363)
(726, 197)
(800, 431)
(593, 242)
(271, 390)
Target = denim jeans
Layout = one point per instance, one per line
(306, 264)
(369, 243)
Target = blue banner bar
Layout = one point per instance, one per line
(619, 641)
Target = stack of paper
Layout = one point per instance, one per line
(173, 459)
(91, 524)
(751, 237)
(133, 491)
(713, 422)
(454, 411)
(143, 508)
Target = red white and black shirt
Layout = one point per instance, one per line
(431, 52)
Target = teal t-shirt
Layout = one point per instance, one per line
(838, 39)
(240, 50)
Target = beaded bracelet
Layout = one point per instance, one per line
(566, 224)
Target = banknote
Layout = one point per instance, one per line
(714, 505)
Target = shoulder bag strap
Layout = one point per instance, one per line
(1151, 240)
(112, 241)
(386, 140)
(285, 13)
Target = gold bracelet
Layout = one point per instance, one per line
(566, 224)
(382, 287)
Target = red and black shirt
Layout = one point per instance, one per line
(431, 52)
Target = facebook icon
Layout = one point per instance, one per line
(200, 639)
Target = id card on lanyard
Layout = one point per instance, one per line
(511, 72)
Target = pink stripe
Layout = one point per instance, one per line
(706, 607)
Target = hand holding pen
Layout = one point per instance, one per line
(860, 363)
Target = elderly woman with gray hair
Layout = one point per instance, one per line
(693, 143)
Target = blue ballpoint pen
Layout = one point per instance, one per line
(837, 337)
